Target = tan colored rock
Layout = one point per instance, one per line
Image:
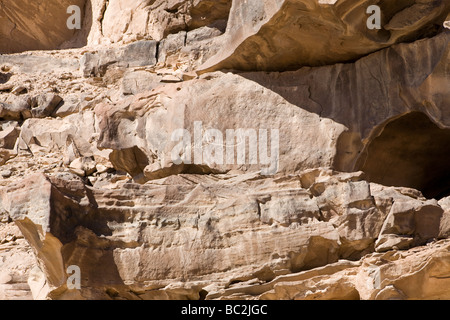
(141, 53)
(356, 207)
(285, 35)
(6, 154)
(16, 262)
(189, 50)
(135, 82)
(445, 220)
(125, 21)
(418, 273)
(412, 223)
(74, 131)
(85, 166)
(9, 135)
(329, 132)
(225, 235)
(36, 28)
(40, 63)
(43, 105)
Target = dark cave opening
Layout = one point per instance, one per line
(411, 151)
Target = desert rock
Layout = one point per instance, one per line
(223, 150)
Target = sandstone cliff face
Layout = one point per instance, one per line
(258, 31)
(225, 150)
(43, 26)
(33, 25)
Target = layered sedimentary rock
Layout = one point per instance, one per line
(326, 130)
(156, 179)
(134, 20)
(150, 237)
(16, 263)
(48, 26)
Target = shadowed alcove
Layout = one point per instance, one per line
(411, 151)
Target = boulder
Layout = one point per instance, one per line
(85, 166)
(141, 53)
(55, 135)
(43, 105)
(8, 136)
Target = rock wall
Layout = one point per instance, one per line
(315, 33)
(225, 150)
(41, 26)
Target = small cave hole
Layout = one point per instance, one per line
(411, 151)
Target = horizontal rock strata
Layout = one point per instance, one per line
(224, 150)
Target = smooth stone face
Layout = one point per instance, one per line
(274, 35)
(36, 28)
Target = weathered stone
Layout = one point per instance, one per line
(198, 261)
(132, 20)
(16, 262)
(135, 82)
(170, 45)
(327, 182)
(42, 63)
(19, 90)
(83, 166)
(9, 136)
(27, 25)
(142, 53)
(59, 134)
(43, 105)
(410, 223)
(6, 174)
(275, 35)
(5, 155)
(9, 112)
(189, 50)
(251, 202)
(284, 102)
(70, 105)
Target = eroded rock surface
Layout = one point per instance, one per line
(183, 228)
(38, 27)
(314, 33)
(127, 158)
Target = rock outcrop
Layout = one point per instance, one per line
(287, 225)
(31, 25)
(45, 27)
(275, 35)
(134, 20)
(225, 150)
